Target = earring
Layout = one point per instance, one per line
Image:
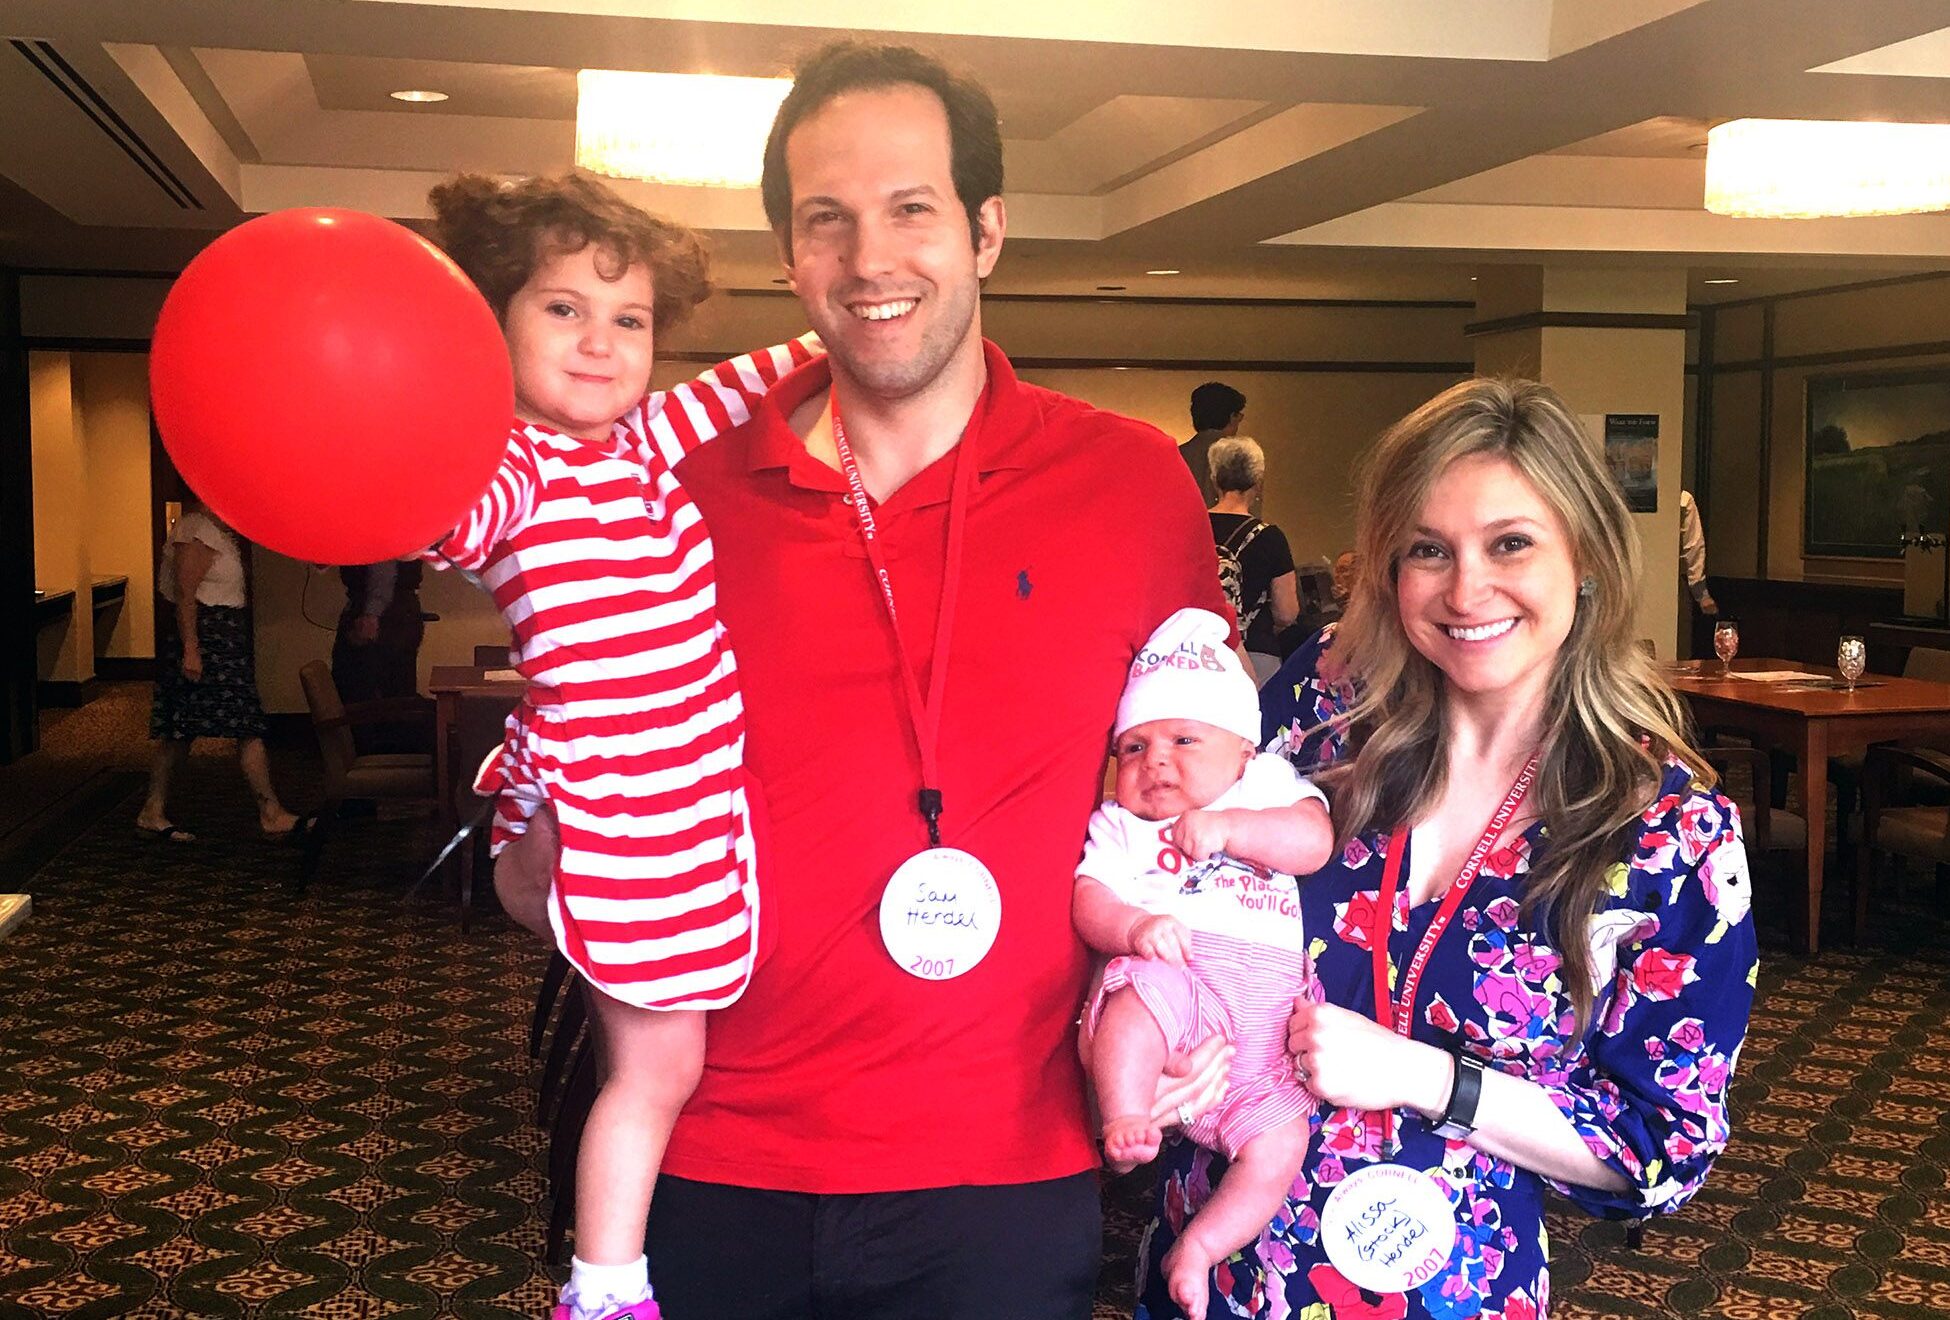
(1588, 588)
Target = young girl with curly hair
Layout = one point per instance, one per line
(631, 731)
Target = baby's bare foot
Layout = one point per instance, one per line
(1130, 1141)
(1188, 1276)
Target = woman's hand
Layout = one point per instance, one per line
(192, 662)
(1192, 1083)
(1352, 1062)
(1162, 937)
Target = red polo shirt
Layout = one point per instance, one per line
(838, 1071)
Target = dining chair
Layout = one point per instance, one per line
(1890, 825)
(1925, 662)
(1765, 827)
(391, 776)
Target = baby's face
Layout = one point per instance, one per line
(1166, 768)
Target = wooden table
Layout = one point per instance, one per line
(453, 686)
(1814, 724)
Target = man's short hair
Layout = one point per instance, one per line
(974, 130)
(1214, 404)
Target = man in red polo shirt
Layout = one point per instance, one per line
(935, 578)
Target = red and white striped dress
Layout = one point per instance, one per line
(632, 727)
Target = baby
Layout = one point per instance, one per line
(1187, 881)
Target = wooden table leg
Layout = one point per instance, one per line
(446, 716)
(1805, 929)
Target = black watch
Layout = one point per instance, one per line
(1459, 1115)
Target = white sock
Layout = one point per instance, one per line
(594, 1291)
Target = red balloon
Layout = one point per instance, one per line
(332, 385)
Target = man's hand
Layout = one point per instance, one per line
(193, 663)
(524, 870)
(1162, 937)
(365, 628)
(1192, 1083)
(1200, 834)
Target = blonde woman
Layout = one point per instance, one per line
(1555, 894)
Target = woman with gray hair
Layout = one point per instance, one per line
(1255, 562)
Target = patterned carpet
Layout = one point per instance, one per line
(221, 1100)
(225, 1101)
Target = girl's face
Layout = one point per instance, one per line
(581, 345)
(1487, 586)
(1166, 768)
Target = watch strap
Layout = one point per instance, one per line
(1459, 1115)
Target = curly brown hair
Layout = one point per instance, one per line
(499, 231)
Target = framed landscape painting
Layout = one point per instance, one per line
(1878, 462)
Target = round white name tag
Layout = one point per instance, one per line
(939, 914)
(1388, 1228)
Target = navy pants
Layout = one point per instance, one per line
(1026, 1251)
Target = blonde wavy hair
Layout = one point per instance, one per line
(1609, 722)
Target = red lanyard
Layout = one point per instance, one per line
(924, 715)
(1400, 1014)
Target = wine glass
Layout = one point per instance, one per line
(1851, 658)
(1726, 642)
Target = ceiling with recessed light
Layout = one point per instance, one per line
(1304, 148)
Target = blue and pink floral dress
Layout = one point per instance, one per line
(1645, 1084)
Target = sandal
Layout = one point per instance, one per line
(166, 833)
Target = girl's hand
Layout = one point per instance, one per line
(192, 663)
(1162, 937)
(1200, 834)
(1350, 1061)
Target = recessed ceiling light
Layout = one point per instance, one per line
(1161, 272)
(1110, 288)
(418, 96)
(1720, 281)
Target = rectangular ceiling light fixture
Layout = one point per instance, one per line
(698, 129)
(1800, 169)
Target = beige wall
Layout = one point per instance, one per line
(1635, 371)
(1846, 322)
(1607, 370)
(112, 398)
(1313, 427)
(297, 609)
(60, 502)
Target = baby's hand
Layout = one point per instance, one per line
(1165, 938)
(1199, 834)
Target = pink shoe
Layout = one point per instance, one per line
(643, 1310)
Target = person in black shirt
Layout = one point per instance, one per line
(1217, 410)
(376, 651)
(1255, 562)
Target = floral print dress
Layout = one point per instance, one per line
(1645, 1085)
